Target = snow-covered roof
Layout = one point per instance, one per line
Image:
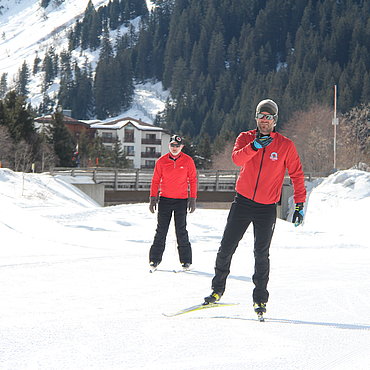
(66, 119)
(120, 123)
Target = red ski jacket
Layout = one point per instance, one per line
(173, 177)
(262, 172)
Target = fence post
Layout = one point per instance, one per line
(137, 180)
(115, 179)
(217, 180)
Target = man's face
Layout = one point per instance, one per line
(175, 149)
(265, 125)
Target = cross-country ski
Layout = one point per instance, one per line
(199, 307)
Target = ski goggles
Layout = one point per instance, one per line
(267, 116)
(175, 145)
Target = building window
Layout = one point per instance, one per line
(149, 164)
(107, 137)
(129, 135)
(129, 150)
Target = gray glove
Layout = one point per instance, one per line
(191, 205)
(153, 204)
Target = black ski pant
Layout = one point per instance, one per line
(244, 211)
(167, 206)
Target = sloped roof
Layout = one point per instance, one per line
(120, 123)
(48, 118)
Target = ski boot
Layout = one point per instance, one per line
(213, 298)
(153, 266)
(260, 309)
(186, 266)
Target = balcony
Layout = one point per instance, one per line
(150, 154)
(108, 139)
(151, 141)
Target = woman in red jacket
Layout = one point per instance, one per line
(263, 156)
(174, 187)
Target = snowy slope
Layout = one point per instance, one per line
(27, 28)
(76, 292)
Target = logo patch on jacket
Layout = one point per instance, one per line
(274, 156)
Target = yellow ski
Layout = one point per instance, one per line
(198, 307)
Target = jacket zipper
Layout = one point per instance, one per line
(259, 172)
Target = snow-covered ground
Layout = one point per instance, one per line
(76, 292)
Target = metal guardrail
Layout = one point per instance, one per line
(140, 180)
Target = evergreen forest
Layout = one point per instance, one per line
(218, 58)
(221, 57)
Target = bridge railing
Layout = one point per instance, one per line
(140, 179)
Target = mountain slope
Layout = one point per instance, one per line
(26, 29)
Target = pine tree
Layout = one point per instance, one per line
(144, 57)
(106, 49)
(204, 149)
(61, 140)
(49, 68)
(65, 94)
(216, 55)
(117, 156)
(95, 31)
(45, 3)
(139, 8)
(3, 85)
(105, 79)
(114, 14)
(179, 79)
(23, 80)
(125, 78)
(18, 117)
(83, 104)
(36, 64)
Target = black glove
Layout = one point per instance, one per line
(298, 214)
(261, 141)
(153, 204)
(191, 205)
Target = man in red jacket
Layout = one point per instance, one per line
(174, 187)
(263, 156)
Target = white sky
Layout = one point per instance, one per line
(76, 292)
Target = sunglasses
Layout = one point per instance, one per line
(175, 145)
(267, 116)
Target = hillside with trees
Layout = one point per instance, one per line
(218, 58)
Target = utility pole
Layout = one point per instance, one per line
(335, 122)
